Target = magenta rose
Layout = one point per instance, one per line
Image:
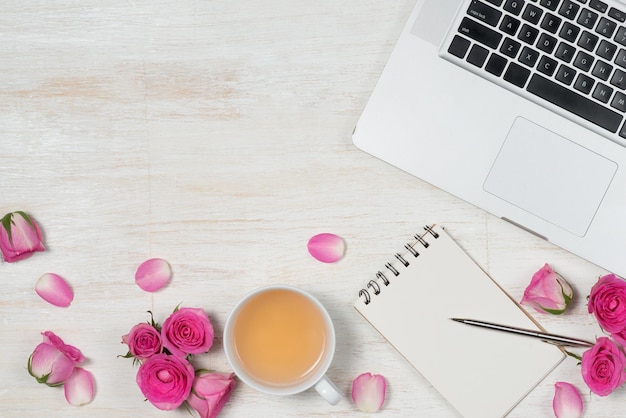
(603, 367)
(165, 380)
(548, 292)
(187, 331)
(607, 301)
(143, 341)
(20, 236)
(52, 362)
(209, 393)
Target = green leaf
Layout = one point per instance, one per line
(6, 224)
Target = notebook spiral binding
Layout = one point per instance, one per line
(374, 285)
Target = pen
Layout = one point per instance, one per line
(543, 336)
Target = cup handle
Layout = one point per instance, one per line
(328, 390)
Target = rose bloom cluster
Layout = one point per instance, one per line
(166, 377)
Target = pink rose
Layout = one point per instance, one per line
(52, 362)
(603, 367)
(548, 292)
(209, 393)
(607, 301)
(165, 380)
(19, 236)
(187, 331)
(143, 341)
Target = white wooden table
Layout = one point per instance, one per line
(216, 134)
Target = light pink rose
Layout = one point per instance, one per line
(210, 392)
(143, 341)
(603, 367)
(187, 331)
(20, 236)
(607, 301)
(548, 292)
(165, 380)
(53, 361)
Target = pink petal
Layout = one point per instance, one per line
(54, 289)
(80, 387)
(153, 274)
(368, 392)
(567, 402)
(326, 247)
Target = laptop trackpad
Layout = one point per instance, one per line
(550, 176)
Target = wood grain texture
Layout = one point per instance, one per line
(216, 134)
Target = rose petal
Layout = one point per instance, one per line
(567, 402)
(326, 247)
(153, 274)
(54, 289)
(80, 387)
(368, 392)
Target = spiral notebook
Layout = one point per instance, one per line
(481, 372)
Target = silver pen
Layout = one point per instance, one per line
(543, 336)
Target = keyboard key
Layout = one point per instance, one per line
(606, 27)
(495, 2)
(619, 102)
(619, 79)
(496, 65)
(602, 70)
(477, 55)
(588, 41)
(606, 50)
(550, 4)
(621, 58)
(565, 98)
(510, 47)
(547, 65)
(510, 25)
(516, 74)
(569, 32)
(483, 12)
(583, 61)
(546, 43)
(602, 92)
(514, 6)
(584, 83)
(550, 23)
(620, 36)
(587, 18)
(569, 9)
(459, 46)
(480, 33)
(616, 14)
(528, 34)
(598, 5)
(532, 14)
(565, 52)
(565, 75)
(528, 56)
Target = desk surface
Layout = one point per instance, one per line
(216, 135)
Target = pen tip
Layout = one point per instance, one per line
(457, 319)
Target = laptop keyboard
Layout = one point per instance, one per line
(569, 53)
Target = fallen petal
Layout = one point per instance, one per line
(54, 289)
(326, 247)
(368, 392)
(80, 387)
(567, 402)
(153, 274)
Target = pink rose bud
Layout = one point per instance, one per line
(52, 362)
(165, 380)
(143, 341)
(210, 392)
(607, 301)
(187, 331)
(80, 387)
(368, 392)
(567, 402)
(20, 236)
(603, 367)
(548, 292)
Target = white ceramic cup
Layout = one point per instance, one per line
(317, 378)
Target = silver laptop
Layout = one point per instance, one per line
(517, 106)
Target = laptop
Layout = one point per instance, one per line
(518, 107)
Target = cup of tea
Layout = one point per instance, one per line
(280, 340)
